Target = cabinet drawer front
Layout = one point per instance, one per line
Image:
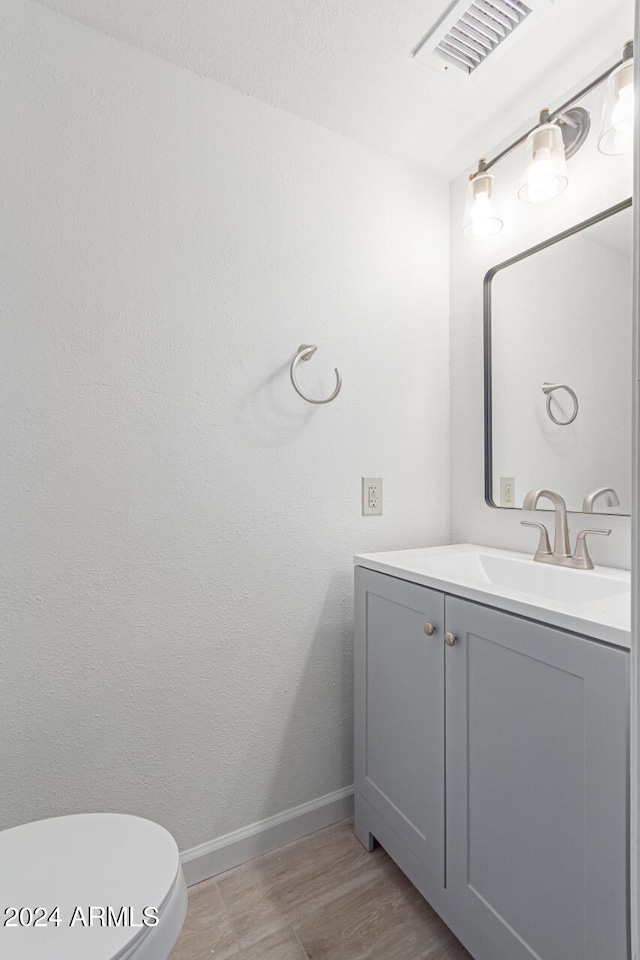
(537, 757)
(399, 709)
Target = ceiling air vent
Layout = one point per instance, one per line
(468, 33)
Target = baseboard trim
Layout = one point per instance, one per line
(214, 857)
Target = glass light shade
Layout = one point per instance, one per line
(480, 217)
(544, 174)
(616, 130)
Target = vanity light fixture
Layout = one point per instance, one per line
(480, 216)
(616, 131)
(558, 135)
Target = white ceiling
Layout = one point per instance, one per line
(347, 64)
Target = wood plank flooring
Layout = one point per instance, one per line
(321, 898)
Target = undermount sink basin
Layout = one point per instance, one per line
(528, 576)
(595, 603)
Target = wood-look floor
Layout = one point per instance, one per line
(321, 898)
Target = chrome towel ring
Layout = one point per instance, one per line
(305, 352)
(548, 389)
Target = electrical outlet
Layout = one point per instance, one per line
(371, 496)
(507, 491)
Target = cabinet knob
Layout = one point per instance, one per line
(429, 629)
(449, 639)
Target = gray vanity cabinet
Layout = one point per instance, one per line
(532, 812)
(399, 717)
(537, 760)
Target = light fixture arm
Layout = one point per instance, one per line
(551, 116)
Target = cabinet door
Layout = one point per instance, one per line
(399, 710)
(537, 758)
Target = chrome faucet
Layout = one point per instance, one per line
(610, 498)
(561, 537)
(560, 555)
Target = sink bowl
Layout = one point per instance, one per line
(527, 576)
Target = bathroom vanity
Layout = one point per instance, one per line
(491, 745)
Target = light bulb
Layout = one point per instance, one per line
(622, 115)
(543, 183)
(483, 223)
(480, 218)
(616, 136)
(544, 173)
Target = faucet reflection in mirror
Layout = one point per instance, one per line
(561, 555)
(554, 140)
(608, 494)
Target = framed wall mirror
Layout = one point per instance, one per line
(558, 368)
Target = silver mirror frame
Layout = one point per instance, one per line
(486, 305)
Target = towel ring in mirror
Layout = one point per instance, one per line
(305, 352)
(548, 389)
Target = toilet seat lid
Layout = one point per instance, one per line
(99, 860)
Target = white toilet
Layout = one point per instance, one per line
(95, 886)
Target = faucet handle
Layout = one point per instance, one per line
(544, 547)
(581, 553)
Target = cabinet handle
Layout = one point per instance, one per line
(449, 639)
(429, 629)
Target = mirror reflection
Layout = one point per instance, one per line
(558, 346)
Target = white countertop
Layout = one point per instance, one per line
(569, 603)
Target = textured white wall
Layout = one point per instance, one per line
(177, 525)
(596, 182)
